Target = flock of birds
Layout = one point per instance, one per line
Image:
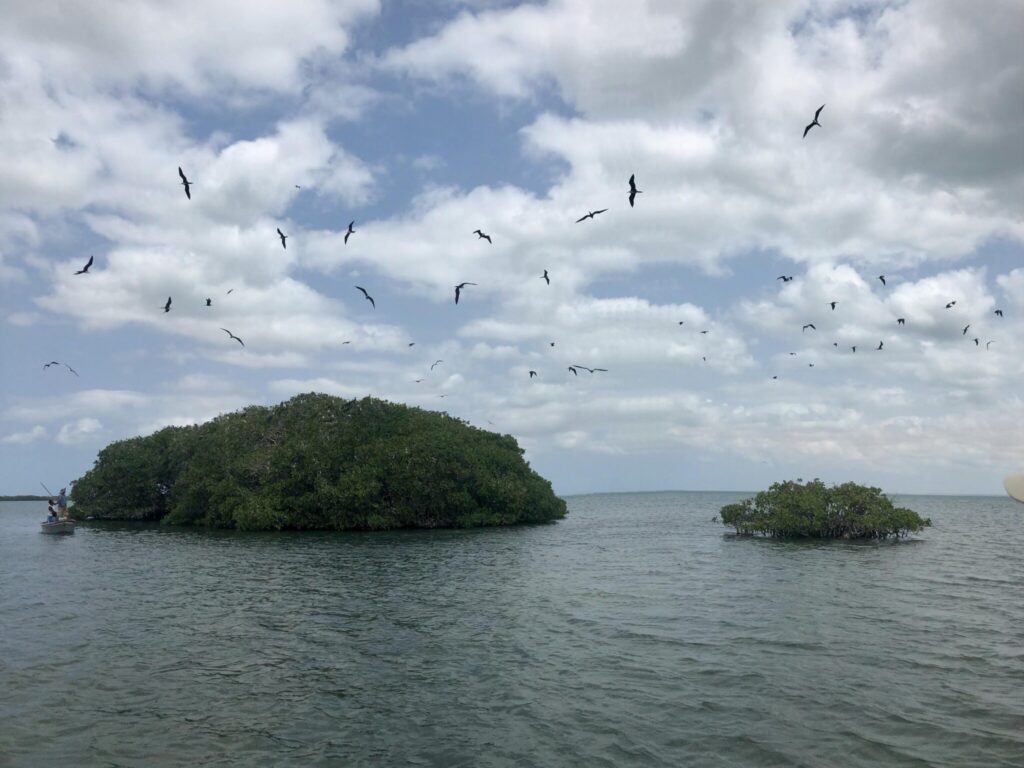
(481, 235)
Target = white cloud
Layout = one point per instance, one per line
(37, 432)
(79, 431)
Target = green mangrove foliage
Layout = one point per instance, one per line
(319, 462)
(814, 510)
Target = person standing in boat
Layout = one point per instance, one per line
(62, 504)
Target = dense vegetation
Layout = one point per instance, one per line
(814, 510)
(319, 462)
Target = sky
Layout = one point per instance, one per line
(424, 121)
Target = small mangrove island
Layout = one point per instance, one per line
(319, 462)
(814, 510)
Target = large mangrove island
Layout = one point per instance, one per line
(814, 510)
(319, 462)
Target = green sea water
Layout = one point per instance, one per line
(636, 632)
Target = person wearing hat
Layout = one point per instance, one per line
(62, 504)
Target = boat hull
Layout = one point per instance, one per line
(61, 526)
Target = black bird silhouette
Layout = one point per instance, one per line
(435, 363)
(901, 321)
(574, 371)
(999, 313)
(965, 329)
(283, 237)
(350, 231)
(85, 269)
(589, 370)
(950, 305)
(633, 191)
(835, 344)
(552, 343)
(792, 354)
(458, 290)
(229, 333)
(809, 325)
(977, 343)
(209, 302)
(532, 374)
(814, 122)
(411, 344)
(229, 291)
(833, 305)
(810, 365)
(784, 279)
(545, 277)
(704, 332)
(590, 215)
(417, 381)
(482, 236)
(854, 349)
(167, 306)
(185, 183)
(55, 362)
(988, 342)
(774, 377)
(368, 297)
(882, 278)
(879, 346)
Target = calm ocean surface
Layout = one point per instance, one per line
(633, 633)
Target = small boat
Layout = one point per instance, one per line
(61, 526)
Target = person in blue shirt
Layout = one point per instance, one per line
(62, 503)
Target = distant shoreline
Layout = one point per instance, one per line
(25, 497)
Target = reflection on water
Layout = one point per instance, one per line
(635, 632)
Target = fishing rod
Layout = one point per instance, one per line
(48, 491)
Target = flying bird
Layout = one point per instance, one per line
(411, 344)
(999, 313)
(209, 302)
(574, 371)
(988, 342)
(633, 191)
(950, 305)
(792, 354)
(482, 236)
(185, 183)
(833, 305)
(167, 306)
(901, 321)
(71, 369)
(704, 332)
(977, 342)
(283, 237)
(435, 363)
(85, 269)
(350, 231)
(882, 278)
(229, 291)
(458, 290)
(229, 333)
(784, 279)
(552, 343)
(532, 374)
(417, 381)
(809, 325)
(814, 122)
(367, 296)
(590, 215)
(965, 329)
(545, 277)
(682, 322)
(810, 365)
(879, 346)
(589, 370)
(854, 350)
(52, 362)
